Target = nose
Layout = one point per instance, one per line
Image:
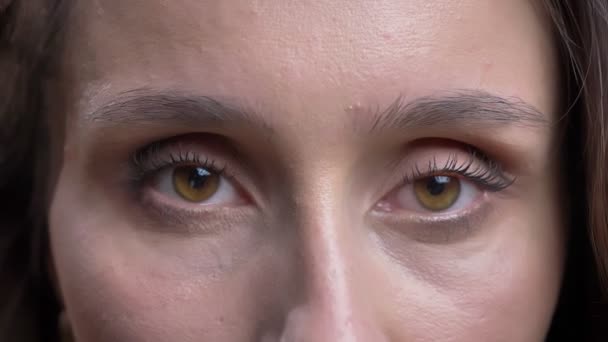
(336, 303)
(322, 321)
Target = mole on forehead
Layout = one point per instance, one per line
(356, 107)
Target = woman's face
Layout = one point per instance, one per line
(309, 171)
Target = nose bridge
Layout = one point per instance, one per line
(326, 312)
(330, 308)
(330, 294)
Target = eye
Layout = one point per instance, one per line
(196, 184)
(437, 193)
(433, 194)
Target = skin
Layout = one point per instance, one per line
(314, 246)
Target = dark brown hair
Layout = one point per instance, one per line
(29, 32)
(30, 40)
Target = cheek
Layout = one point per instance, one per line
(120, 282)
(111, 296)
(507, 287)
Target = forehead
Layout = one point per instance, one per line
(317, 54)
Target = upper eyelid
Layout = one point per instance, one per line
(158, 155)
(476, 167)
(451, 164)
(181, 150)
(169, 158)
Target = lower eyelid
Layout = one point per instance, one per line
(469, 193)
(437, 228)
(172, 219)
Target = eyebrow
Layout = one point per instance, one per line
(458, 108)
(141, 106)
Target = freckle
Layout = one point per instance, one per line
(485, 70)
(387, 36)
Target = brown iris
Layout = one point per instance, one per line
(195, 184)
(437, 193)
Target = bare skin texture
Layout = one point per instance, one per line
(323, 115)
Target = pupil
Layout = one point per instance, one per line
(436, 185)
(198, 177)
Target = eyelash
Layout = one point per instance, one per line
(487, 174)
(477, 168)
(150, 160)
